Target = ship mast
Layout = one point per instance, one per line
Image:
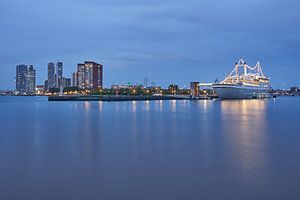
(236, 71)
(234, 76)
(245, 69)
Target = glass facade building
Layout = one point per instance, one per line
(51, 76)
(25, 79)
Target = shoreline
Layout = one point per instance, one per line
(124, 98)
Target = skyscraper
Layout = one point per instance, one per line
(46, 86)
(89, 75)
(31, 80)
(74, 79)
(80, 76)
(55, 75)
(51, 75)
(97, 75)
(25, 79)
(21, 78)
(59, 74)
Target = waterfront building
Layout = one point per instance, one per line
(173, 89)
(21, 78)
(51, 76)
(194, 89)
(31, 80)
(89, 75)
(46, 87)
(25, 79)
(66, 82)
(89, 69)
(55, 75)
(80, 76)
(154, 90)
(74, 79)
(59, 74)
(294, 90)
(39, 90)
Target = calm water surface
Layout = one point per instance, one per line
(247, 149)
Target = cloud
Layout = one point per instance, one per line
(138, 36)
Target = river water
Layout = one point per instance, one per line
(242, 149)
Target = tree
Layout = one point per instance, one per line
(70, 89)
(54, 90)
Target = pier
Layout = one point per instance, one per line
(124, 98)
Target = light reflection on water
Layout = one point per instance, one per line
(100, 106)
(149, 150)
(244, 122)
(134, 106)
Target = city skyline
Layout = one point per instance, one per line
(168, 42)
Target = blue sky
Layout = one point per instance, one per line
(168, 41)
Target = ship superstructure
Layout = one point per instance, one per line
(244, 82)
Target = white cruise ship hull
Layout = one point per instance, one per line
(227, 91)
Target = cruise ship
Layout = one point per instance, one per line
(244, 82)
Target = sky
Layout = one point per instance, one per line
(167, 41)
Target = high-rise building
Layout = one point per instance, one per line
(21, 78)
(80, 76)
(59, 74)
(89, 75)
(25, 79)
(31, 81)
(46, 86)
(55, 75)
(97, 75)
(66, 82)
(51, 76)
(74, 79)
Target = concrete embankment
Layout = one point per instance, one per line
(118, 98)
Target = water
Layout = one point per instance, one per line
(246, 149)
